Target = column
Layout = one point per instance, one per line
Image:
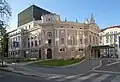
(106, 51)
(58, 37)
(55, 36)
(78, 37)
(43, 44)
(66, 38)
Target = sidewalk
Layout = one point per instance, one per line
(21, 63)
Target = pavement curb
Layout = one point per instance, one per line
(97, 66)
(18, 72)
(73, 64)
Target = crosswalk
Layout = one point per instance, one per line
(91, 77)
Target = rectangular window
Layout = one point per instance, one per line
(80, 49)
(93, 40)
(28, 39)
(29, 26)
(31, 37)
(96, 40)
(62, 49)
(100, 38)
(26, 27)
(80, 41)
(61, 26)
(28, 44)
(111, 39)
(39, 42)
(18, 37)
(90, 38)
(116, 50)
(62, 40)
(13, 39)
(31, 43)
(49, 41)
(116, 45)
(24, 43)
(119, 41)
(36, 43)
(115, 38)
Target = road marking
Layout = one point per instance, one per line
(107, 71)
(54, 77)
(85, 77)
(97, 66)
(116, 79)
(47, 75)
(73, 76)
(99, 79)
(69, 77)
(112, 63)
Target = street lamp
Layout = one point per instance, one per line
(46, 42)
(89, 48)
(45, 45)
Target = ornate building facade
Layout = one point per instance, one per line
(51, 38)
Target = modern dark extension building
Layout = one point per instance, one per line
(31, 13)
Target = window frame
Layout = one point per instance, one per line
(36, 44)
(63, 49)
(32, 44)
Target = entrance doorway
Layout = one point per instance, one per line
(49, 53)
(24, 54)
(40, 54)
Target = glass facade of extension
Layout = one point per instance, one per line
(31, 13)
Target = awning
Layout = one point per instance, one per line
(102, 47)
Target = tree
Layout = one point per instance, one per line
(5, 14)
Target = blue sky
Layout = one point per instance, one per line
(106, 12)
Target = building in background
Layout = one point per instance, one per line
(43, 35)
(111, 36)
(31, 13)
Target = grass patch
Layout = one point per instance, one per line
(59, 62)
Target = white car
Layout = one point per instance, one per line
(4, 63)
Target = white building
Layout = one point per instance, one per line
(111, 36)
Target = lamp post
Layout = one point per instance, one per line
(45, 45)
(89, 48)
(15, 45)
(85, 51)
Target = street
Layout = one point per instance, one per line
(73, 70)
(97, 75)
(12, 77)
(108, 72)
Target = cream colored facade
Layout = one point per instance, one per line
(51, 38)
(110, 36)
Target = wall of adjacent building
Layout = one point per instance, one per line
(110, 36)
